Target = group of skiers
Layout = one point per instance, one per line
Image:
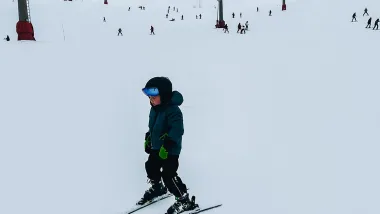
(120, 31)
(140, 7)
(241, 28)
(369, 22)
(173, 19)
(174, 9)
(241, 14)
(233, 15)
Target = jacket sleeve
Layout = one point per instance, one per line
(152, 119)
(175, 123)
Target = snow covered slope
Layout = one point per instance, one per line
(284, 119)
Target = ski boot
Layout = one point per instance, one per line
(183, 204)
(156, 190)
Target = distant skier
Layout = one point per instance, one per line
(365, 12)
(239, 28)
(354, 17)
(7, 38)
(246, 25)
(376, 24)
(200, 16)
(104, 19)
(163, 143)
(196, 16)
(182, 17)
(226, 29)
(241, 15)
(270, 13)
(173, 8)
(177, 10)
(120, 32)
(257, 9)
(369, 23)
(167, 15)
(129, 8)
(242, 30)
(233, 15)
(152, 30)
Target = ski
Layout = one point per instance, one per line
(198, 210)
(139, 207)
(204, 209)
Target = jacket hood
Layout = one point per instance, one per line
(177, 98)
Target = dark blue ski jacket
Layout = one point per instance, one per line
(167, 119)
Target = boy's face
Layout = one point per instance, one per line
(155, 100)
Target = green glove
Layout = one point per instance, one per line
(163, 153)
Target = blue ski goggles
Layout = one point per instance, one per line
(151, 92)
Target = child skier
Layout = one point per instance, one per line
(163, 143)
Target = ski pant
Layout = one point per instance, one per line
(169, 175)
(376, 26)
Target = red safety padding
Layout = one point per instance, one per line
(25, 30)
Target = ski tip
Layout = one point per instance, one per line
(200, 210)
